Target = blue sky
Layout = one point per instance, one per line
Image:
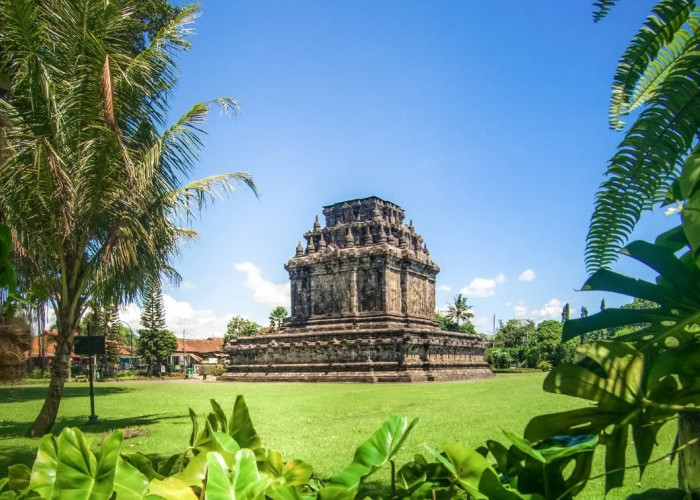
(485, 121)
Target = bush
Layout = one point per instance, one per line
(210, 370)
(36, 374)
(499, 358)
(544, 365)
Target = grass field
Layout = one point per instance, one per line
(319, 423)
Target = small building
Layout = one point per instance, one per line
(191, 352)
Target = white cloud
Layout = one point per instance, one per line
(179, 316)
(520, 309)
(444, 288)
(483, 324)
(551, 310)
(264, 291)
(188, 285)
(483, 287)
(527, 275)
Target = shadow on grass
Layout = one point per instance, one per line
(25, 451)
(11, 429)
(18, 394)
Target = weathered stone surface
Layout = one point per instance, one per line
(363, 308)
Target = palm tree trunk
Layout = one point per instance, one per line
(689, 457)
(59, 373)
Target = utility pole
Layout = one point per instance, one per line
(184, 364)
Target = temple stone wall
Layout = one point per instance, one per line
(363, 308)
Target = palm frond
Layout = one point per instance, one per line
(648, 160)
(602, 7)
(659, 29)
(190, 199)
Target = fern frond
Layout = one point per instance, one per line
(648, 160)
(668, 56)
(602, 8)
(659, 29)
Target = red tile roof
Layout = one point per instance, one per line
(201, 346)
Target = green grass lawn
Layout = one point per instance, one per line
(319, 423)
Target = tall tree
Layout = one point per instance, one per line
(602, 305)
(276, 316)
(565, 312)
(155, 341)
(92, 178)
(113, 340)
(459, 310)
(153, 309)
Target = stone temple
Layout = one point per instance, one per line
(363, 309)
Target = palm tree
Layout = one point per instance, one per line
(460, 310)
(92, 182)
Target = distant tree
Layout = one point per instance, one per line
(276, 317)
(565, 313)
(113, 340)
(241, 327)
(153, 310)
(584, 311)
(602, 305)
(514, 333)
(459, 310)
(155, 346)
(155, 342)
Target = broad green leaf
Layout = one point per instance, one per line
(220, 415)
(644, 437)
(563, 446)
(615, 449)
(195, 427)
(240, 427)
(474, 473)
(584, 420)
(195, 472)
(295, 472)
(375, 452)
(673, 239)
(129, 482)
(524, 446)
(242, 482)
(684, 280)
(80, 475)
(500, 453)
(225, 445)
(582, 471)
(143, 465)
(689, 181)
(3, 483)
(336, 492)
(43, 476)
(279, 492)
(18, 476)
(623, 366)
(167, 468)
(691, 224)
(609, 281)
(170, 488)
